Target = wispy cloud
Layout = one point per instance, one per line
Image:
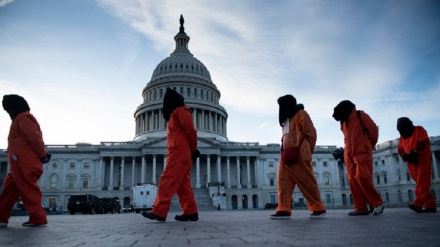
(4, 2)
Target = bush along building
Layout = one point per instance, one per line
(228, 175)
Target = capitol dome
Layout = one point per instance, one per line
(190, 77)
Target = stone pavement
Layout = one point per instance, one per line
(395, 227)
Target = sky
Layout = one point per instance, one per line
(82, 64)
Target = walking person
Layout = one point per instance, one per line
(182, 150)
(26, 153)
(360, 136)
(415, 149)
(298, 130)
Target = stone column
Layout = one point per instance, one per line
(256, 165)
(208, 168)
(228, 173)
(219, 169)
(112, 163)
(143, 169)
(121, 185)
(434, 165)
(133, 169)
(202, 125)
(248, 170)
(238, 174)
(154, 170)
(100, 172)
(198, 173)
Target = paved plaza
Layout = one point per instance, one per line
(396, 227)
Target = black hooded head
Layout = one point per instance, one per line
(171, 101)
(287, 107)
(343, 110)
(14, 105)
(405, 127)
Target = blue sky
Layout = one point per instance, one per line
(82, 64)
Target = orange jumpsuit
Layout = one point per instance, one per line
(358, 157)
(421, 173)
(181, 140)
(301, 172)
(25, 146)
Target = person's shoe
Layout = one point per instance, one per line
(358, 213)
(280, 215)
(3, 224)
(378, 210)
(187, 217)
(28, 224)
(318, 214)
(152, 216)
(417, 209)
(426, 210)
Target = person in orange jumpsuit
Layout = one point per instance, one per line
(358, 157)
(26, 153)
(296, 126)
(182, 150)
(415, 149)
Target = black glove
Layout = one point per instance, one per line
(412, 157)
(46, 158)
(195, 154)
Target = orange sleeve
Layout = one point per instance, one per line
(31, 131)
(305, 126)
(187, 124)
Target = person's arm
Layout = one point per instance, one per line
(187, 124)
(31, 131)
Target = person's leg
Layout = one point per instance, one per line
(364, 178)
(8, 198)
(26, 180)
(170, 181)
(186, 196)
(285, 187)
(304, 177)
(422, 176)
(360, 204)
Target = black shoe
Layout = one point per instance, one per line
(187, 217)
(415, 208)
(358, 213)
(429, 210)
(152, 216)
(28, 224)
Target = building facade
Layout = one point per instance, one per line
(230, 175)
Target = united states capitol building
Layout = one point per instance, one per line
(230, 175)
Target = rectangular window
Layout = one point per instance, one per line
(328, 198)
(313, 163)
(271, 182)
(53, 181)
(398, 175)
(270, 164)
(385, 179)
(326, 180)
(85, 183)
(378, 179)
(383, 162)
(325, 163)
(375, 163)
(71, 183)
(86, 165)
(72, 165)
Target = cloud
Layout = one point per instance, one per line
(4, 2)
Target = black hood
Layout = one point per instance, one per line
(14, 105)
(171, 101)
(343, 110)
(287, 107)
(405, 127)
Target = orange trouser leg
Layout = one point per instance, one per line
(285, 187)
(186, 196)
(300, 174)
(30, 193)
(169, 183)
(421, 173)
(8, 198)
